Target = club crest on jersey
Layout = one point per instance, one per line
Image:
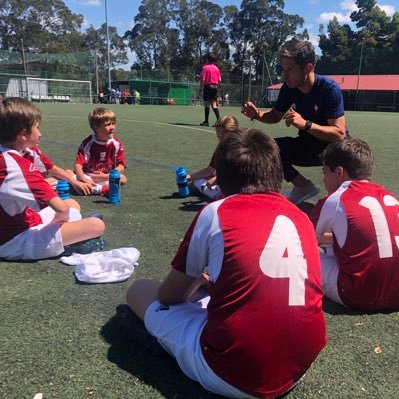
(102, 156)
(162, 307)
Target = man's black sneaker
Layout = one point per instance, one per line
(204, 123)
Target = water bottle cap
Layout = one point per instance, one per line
(181, 171)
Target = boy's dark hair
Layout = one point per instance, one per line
(354, 155)
(302, 51)
(248, 162)
(99, 116)
(16, 116)
(210, 59)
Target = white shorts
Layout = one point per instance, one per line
(178, 329)
(38, 242)
(211, 192)
(98, 184)
(329, 275)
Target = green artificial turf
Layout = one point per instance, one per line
(71, 340)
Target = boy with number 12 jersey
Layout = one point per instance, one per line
(361, 269)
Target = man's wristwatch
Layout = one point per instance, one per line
(308, 125)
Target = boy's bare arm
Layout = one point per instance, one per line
(326, 239)
(80, 174)
(80, 187)
(61, 210)
(176, 288)
(201, 174)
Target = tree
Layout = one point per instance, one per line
(375, 41)
(96, 39)
(38, 24)
(152, 38)
(258, 30)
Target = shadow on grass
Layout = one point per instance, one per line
(21, 261)
(334, 308)
(135, 351)
(186, 124)
(192, 206)
(188, 205)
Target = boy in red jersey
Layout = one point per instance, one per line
(47, 167)
(262, 325)
(100, 152)
(34, 222)
(360, 220)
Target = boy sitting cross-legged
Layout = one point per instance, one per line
(359, 219)
(258, 325)
(34, 222)
(100, 152)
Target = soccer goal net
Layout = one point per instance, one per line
(58, 90)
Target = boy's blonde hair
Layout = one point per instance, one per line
(17, 115)
(228, 123)
(99, 116)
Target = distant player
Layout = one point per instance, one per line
(262, 325)
(209, 84)
(360, 219)
(100, 152)
(205, 180)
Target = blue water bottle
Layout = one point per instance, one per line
(181, 180)
(62, 189)
(114, 195)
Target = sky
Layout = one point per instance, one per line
(121, 13)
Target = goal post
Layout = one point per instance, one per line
(59, 90)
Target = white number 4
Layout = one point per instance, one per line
(282, 257)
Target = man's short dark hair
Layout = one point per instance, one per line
(248, 162)
(301, 50)
(17, 115)
(354, 155)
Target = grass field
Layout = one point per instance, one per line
(70, 340)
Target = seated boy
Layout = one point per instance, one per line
(47, 167)
(262, 325)
(34, 222)
(205, 179)
(360, 220)
(100, 152)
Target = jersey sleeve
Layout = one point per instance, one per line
(334, 102)
(120, 156)
(80, 156)
(192, 256)
(47, 162)
(212, 162)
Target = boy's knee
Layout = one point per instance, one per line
(97, 226)
(73, 204)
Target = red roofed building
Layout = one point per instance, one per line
(362, 92)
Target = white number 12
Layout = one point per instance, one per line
(380, 223)
(282, 257)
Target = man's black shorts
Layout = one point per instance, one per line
(210, 92)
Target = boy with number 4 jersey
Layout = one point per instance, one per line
(258, 325)
(360, 219)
